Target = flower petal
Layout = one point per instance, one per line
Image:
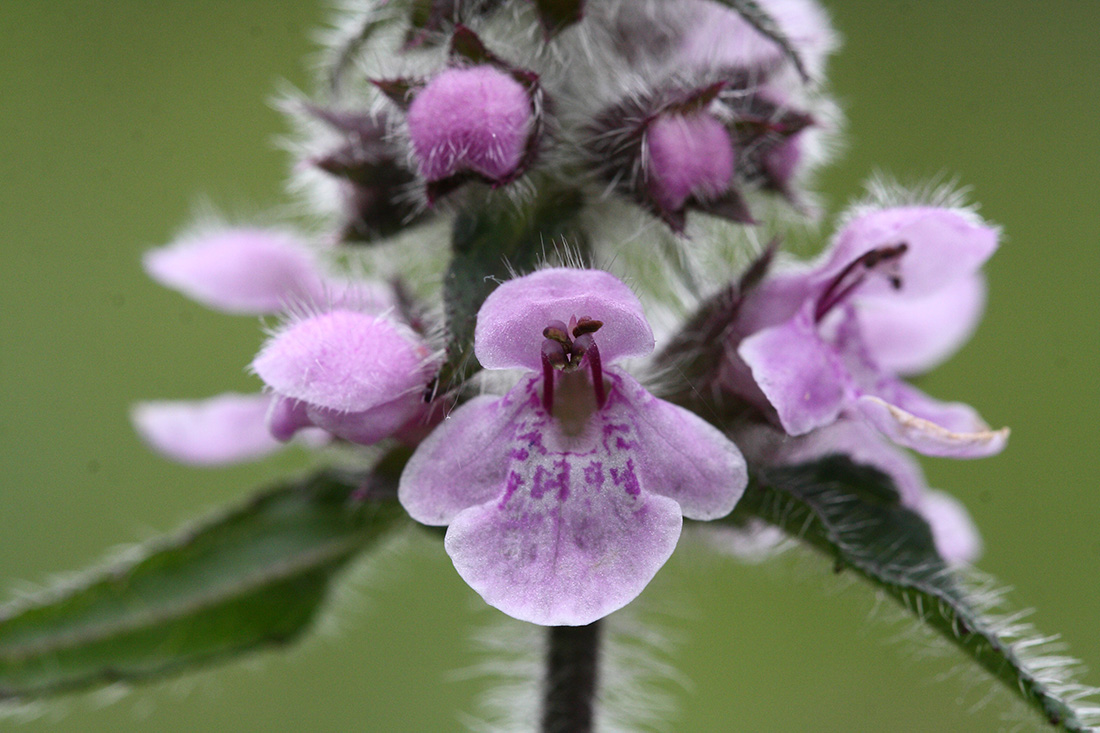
(683, 456)
(689, 156)
(229, 428)
(464, 462)
(948, 429)
(343, 360)
(242, 271)
(286, 417)
(953, 531)
(565, 561)
(513, 317)
(944, 245)
(913, 335)
(799, 373)
(720, 37)
(367, 427)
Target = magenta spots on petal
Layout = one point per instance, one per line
(617, 431)
(593, 475)
(627, 478)
(514, 482)
(520, 454)
(533, 439)
(471, 119)
(558, 480)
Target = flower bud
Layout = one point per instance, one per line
(476, 119)
(690, 157)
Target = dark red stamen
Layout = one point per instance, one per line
(594, 363)
(562, 353)
(852, 276)
(547, 382)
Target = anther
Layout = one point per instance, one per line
(852, 276)
(586, 325)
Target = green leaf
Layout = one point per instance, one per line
(490, 245)
(252, 577)
(853, 514)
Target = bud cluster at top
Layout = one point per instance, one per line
(670, 106)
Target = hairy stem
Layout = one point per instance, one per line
(572, 662)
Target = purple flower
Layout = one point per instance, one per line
(566, 495)
(476, 119)
(358, 376)
(898, 290)
(677, 149)
(248, 271)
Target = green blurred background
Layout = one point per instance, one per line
(116, 117)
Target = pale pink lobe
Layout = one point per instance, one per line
(367, 427)
(566, 566)
(239, 271)
(463, 462)
(286, 417)
(945, 429)
(229, 428)
(943, 246)
(475, 119)
(910, 336)
(689, 157)
(343, 360)
(800, 373)
(685, 457)
(957, 539)
(512, 319)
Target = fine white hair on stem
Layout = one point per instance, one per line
(637, 647)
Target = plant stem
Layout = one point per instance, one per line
(572, 662)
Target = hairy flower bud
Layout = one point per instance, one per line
(691, 157)
(475, 120)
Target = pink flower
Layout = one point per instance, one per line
(247, 271)
(898, 291)
(566, 495)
